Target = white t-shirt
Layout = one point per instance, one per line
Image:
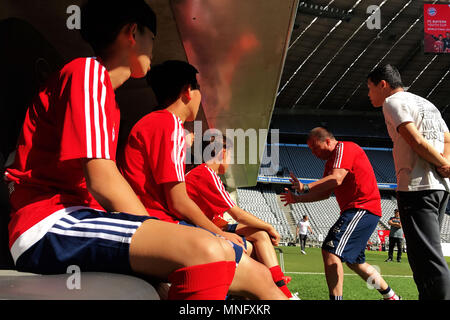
(303, 227)
(414, 173)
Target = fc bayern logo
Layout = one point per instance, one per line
(432, 11)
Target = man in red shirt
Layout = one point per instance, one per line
(153, 163)
(349, 174)
(70, 204)
(205, 188)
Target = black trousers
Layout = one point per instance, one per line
(395, 242)
(421, 213)
(302, 240)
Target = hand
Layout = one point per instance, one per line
(444, 171)
(288, 197)
(274, 235)
(235, 238)
(296, 184)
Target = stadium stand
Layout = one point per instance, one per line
(263, 204)
(262, 199)
(300, 160)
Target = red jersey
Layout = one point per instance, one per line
(155, 154)
(359, 188)
(206, 189)
(74, 116)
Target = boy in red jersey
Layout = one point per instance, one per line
(349, 174)
(205, 188)
(64, 174)
(153, 163)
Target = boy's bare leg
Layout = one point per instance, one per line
(253, 280)
(262, 244)
(158, 248)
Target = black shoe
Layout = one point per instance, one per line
(388, 260)
(399, 260)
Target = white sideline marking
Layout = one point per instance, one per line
(351, 274)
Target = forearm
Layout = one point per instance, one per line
(325, 185)
(421, 146)
(429, 154)
(446, 152)
(244, 217)
(119, 199)
(192, 213)
(110, 189)
(312, 197)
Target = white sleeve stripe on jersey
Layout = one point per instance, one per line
(181, 149)
(94, 128)
(219, 185)
(339, 154)
(102, 103)
(176, 149)
(87, 111)
(98, 147)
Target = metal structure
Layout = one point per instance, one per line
(329, 58)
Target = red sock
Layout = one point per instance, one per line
(208, 281)
(277, 276)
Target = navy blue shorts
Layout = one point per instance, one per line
(238, 251)
(231, 227)
(348, 237)
(90, 239)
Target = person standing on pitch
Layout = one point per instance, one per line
(349, 174)
(302, 232)
(395, 237)
(421, 153)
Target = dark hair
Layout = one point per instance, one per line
(388, 73)
(168, 80)
(102, 20)
(225, 144)
(320, 133)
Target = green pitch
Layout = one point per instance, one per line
(308, 278)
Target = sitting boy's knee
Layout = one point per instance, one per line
(261, 236)
(215, 249)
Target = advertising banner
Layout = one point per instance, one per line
(436, 21)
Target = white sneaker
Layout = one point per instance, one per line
(295, 296)
(303, 252)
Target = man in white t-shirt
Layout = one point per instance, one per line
(421, 151)
(302, 232)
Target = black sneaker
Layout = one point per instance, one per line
(388, 260)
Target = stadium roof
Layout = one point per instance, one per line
(334, 46)
(332, 49)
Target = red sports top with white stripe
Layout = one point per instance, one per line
(206, 189)
(155, 154)
(359, 188)
(74, 116)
